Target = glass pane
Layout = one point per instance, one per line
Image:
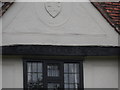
(29, 77)
(40, 77)
(66, 78)
(76, 85)
(53, 86)
(66, 86)
(35, 82)
(76, 78)
(40, 80)
(71, 75)
(34, 67)
(71, 86)
(66, 68)
(29, 67)
(71, 78)
(40, 85)
(52, 70)
(39, 67)
(71, 68)
(76, 68)
(34, 76)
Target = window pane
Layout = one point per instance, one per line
(71, 78)
(34, 67)
(71, 68)
(71, 86)
(76, 68)
(40, 80)
(66, 78)
(28, 67)
(29, 77)
(34, 76)
(76, 78)
(40, 77)
(66, 86)
(76, 85)
(66, 68)
(71, 75)
(53, 86)
(39, 67)
(52, 70)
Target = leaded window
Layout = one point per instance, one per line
(71, 75)
(34, 75)
(53, 74)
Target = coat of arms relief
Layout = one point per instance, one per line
(53, 14)
(53, 8)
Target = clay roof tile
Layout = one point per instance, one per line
(111, 12)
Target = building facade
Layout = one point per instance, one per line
(58, 45)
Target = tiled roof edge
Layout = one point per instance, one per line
(5, 7)
(100, 9)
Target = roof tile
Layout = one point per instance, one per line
(111, 12)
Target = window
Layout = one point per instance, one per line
(34, 75)
(53, 74)
(53, 70)
(71, 75)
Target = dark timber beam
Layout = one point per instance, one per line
(61, 50)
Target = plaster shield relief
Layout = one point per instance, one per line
(53, 8)
(52, 13)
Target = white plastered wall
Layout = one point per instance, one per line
(0, 71)
(0, 54)
(77, 24)
(99, 72)
(12, 72)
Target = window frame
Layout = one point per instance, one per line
(45, 61)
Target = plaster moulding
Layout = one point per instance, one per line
(53, 14)
(7, 0)
(53, 8)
